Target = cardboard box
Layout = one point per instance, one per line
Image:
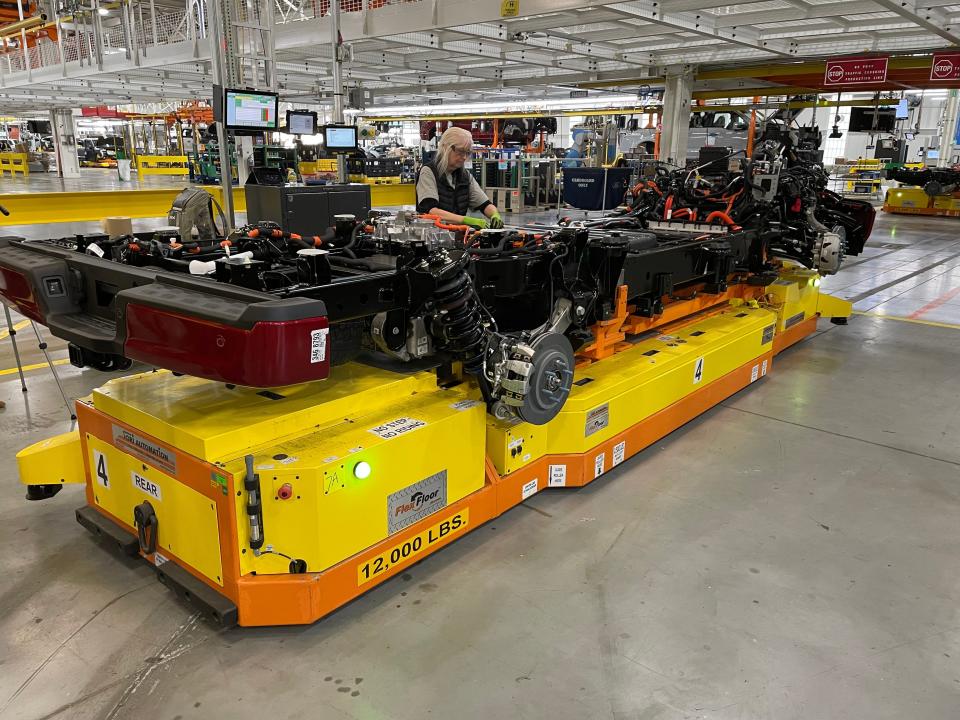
(117, 226)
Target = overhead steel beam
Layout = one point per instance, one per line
(568, 79)
(420, 17)
(683, 5)
(703, 24)
(929, 18)
(785, 15)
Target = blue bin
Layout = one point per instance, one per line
(583, 187)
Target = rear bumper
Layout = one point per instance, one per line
(217, 608)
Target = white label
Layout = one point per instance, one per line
(619, 450)
(318, 345)
(159, 559)
(95, 249)
(515, 443)
(598, 462)
(465, 404)
(330, 459)
(145, 485)
(763, 368)
(289, 459)
(397, 427)
(755, 373)
(558, 476)
(529, 489)
(698, 371)
(265, 467)
(668, 338)
(100, 468)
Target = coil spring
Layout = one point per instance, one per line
(460, 320)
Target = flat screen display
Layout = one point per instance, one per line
(340, 137)
(870, 119)
(301, 122)
(250, 110)
(903, 110)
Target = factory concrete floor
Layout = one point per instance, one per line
(90, 180)
(791, 554)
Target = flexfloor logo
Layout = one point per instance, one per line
(415, 502)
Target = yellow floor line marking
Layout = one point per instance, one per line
(931, 323)
(5, 333)
(35, 366)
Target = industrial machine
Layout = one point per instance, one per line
(924, 191)
(780, 193)
(305, 209)
(328, 410)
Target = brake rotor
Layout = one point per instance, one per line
(550, 379)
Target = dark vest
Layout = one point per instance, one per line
(452, 199)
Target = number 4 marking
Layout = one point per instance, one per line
(100, 467)
(698, 371)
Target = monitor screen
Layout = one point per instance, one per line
(933, 154)
(903, 110)
(872, 119)
(301, 122)
(250, 110)
(909, 136)
(340, 137)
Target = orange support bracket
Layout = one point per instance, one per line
(607, 334)
(752, 130)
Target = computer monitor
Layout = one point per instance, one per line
(933, 154)
(340, 138)
(301, 122)
(903, 110)
(872, 119)
(250, 110)
(909, 136)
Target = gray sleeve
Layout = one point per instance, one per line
(427, 186)
(478, 198)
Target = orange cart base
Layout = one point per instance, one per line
(292, 599)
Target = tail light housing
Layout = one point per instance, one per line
(267, 354)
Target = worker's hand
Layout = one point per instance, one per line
(477, 223)
(496, 222)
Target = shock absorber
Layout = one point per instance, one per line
(459, 321)
(251, 483)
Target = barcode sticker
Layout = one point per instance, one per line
(318, 345)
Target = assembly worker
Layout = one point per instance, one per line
(447, 190)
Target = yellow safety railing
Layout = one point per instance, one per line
(14, 163)
(163, 165)
(49, 207)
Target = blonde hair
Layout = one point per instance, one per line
(451, 137)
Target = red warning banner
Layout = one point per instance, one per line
(945, 66)
(855, 71)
